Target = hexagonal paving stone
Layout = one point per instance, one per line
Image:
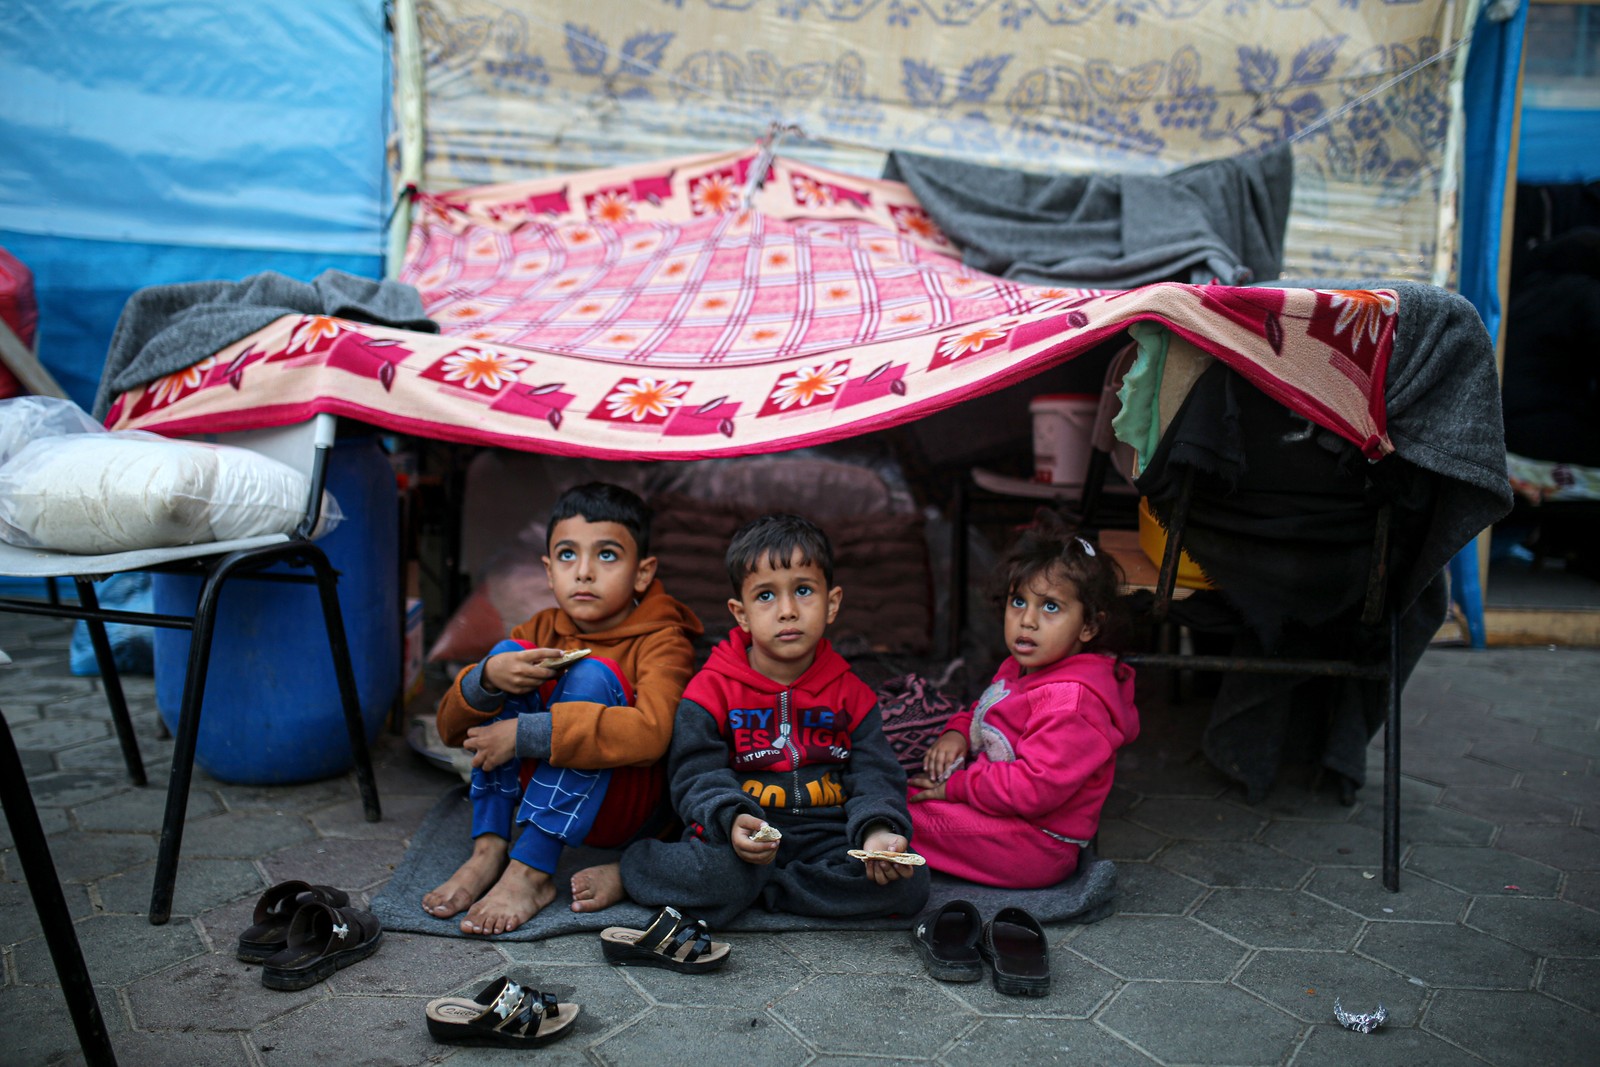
(1043, 1041)
(1327, 844)
(1583, 889)
(85, 857)
(758, 972)
(1145, 889)
(1154, 777)
(350, 864)
(584, 948)
(402, 814)
(1544, 715)
(1192, 819)
(1547, 927)
(1574, 981)
(18, 918)
(1456, 771)
(25, 687)
(1447, 955)
(68, 789)
(1566, 848)
(1077, 989)
(886, 1015)
(1234, 863)
(1482, 870)
(322, 1032)
(1305, 984)
(668, 1035)
(422, 965)
(1430, 824)
(1506, 1028)
(853, 952)
(35, 1027)
(305, 797)
(140, 810)
(1158, 948)
(51, 821)
(1581, 740)
(211, 992)
(1509, 805)
(1570, 787)
(1276, 918)
(202, 885)
(1121, 839)
(116, 948)
(1390, 1046)
(52, 735)
(106, 757)
(1530, 756)
(213, 1050)
(1363, 892)
(244, 835)
(1201, 1023)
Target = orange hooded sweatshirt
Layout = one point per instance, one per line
(651, 646)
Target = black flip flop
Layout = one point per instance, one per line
(672, 940)
(275, 910)
(503, 1014)
(321, 940)
(948, 942)
(1016, 947)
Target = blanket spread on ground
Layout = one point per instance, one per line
(644, 311)
(444, 840)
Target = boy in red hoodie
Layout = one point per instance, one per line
(574, 754)
(775, 729)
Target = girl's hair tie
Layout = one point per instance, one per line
(1088, 549)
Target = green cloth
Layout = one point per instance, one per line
(1138, 423)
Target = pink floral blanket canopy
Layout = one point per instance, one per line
(650, 311)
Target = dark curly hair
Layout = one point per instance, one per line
(1049, 547)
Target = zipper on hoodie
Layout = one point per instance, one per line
(785, 731)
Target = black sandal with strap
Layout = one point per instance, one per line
(672, 940)
(503, 1014)
(275, 910)
(321, 940)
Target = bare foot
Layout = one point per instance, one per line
(471, 879)
(518, 896)
(594, 888)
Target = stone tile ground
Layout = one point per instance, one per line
(1238, 926)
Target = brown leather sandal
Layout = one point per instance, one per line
(320, 941)
(275, 910)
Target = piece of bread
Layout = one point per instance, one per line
(768, 832)
(907, 859)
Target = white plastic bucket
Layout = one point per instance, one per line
(1062, 424)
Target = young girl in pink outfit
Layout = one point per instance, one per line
(1012, 790)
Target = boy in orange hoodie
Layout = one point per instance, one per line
(573, 754)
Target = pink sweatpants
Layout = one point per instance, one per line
(994, 850)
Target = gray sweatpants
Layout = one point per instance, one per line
(813, 874)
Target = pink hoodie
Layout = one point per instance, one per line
(1043, 745)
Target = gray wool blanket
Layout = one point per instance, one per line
(165, 328)
(1295, 577)
(444, 841)
(1222, 219)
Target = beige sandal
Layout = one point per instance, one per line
(503, 1014)
(672, 940)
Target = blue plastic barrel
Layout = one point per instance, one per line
(272, 713)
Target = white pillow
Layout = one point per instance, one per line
(96, 493)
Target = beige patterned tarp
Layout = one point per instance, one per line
(519, 88)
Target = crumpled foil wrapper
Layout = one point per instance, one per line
(1361, 1024)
